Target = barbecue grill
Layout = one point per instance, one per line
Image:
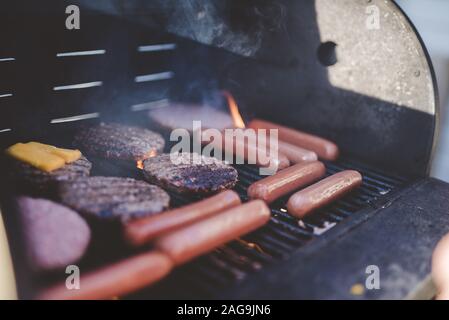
(320, 66)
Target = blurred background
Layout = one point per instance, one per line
(431, 18)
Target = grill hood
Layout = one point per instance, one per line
(324, 66)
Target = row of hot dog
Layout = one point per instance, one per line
(177, 237)
(311, 198)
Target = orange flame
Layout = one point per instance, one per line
(150, 154)
(140, 164)
(234, 109)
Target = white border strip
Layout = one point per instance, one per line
(76, 118)
(155, 76)
(80, 53)
(7, 59)
(79, 86)
(157, 47)
(5, 95)
(150, 105)
(5, 130)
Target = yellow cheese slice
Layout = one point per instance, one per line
(43, 156)
(68, 155)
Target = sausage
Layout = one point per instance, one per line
(293, 153)
(323, 192)
(189, 242)
(141, 231)
(325, 149)
(117, 279)
(247, 150)
(279, 162)
(296, 154)
(286, 181)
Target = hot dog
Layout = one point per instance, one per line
(293, 153)
(286, 181)
(189, 242)
(323, 192)
(143, 230)
(325, 149)
(244, 149)
(296, 154)
(280, 161)
(117, 279)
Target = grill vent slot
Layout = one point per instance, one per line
(72, 74)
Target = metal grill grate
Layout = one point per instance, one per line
(279, 239)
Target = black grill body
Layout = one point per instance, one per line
(374, 95)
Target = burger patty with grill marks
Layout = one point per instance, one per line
(40, 180)
(119, 142)
(112, 198)
(189, 173)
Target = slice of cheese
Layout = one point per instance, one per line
(43, 156)
(68, 155)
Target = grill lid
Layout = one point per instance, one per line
(355, 72)
(324, 66)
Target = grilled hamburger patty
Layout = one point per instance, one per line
(112, 198)
(182, 116)
(55, 236)
(30, 176)
(209, 176)
(119, 142)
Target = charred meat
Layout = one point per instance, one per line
(41, 181)
(119, 142)
(112, 198)
(189, 173)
